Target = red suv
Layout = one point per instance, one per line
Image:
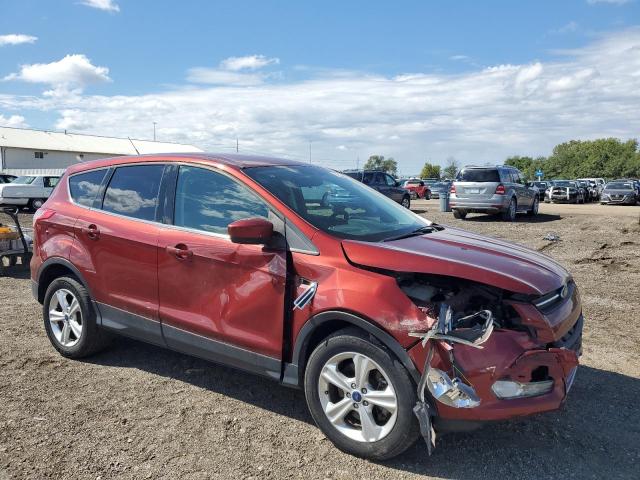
(394, 326)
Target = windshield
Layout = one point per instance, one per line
(337, 204)
(478, 175)
(618, 186)
(563, 183)
(24, 180)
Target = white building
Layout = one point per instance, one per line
(24, 151)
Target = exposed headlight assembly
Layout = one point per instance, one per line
(509, 389)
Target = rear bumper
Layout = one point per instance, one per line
(493, 204)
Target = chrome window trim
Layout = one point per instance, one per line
(269, 205)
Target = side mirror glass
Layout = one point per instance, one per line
(254, 231)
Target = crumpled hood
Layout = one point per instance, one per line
(463, 254)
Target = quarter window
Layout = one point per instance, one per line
(50, 182)
(84, 187)
(133, 191)
(210, 201)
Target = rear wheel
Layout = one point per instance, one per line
(509, 215)
(460, 214)
(70, 320)
(36, 203)
(361, 396)
(406, 202)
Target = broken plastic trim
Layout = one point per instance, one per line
(454, 393)
(305, 297)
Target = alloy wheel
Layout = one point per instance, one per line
(357, 397)
(406, 202)
(65, 316)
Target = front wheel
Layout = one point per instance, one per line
(361, 396)
(406, 202)
(534, 208)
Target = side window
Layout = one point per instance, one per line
(378, 179)
(516, 176)
(390, 181)
(133, 191)
(368, 178)
(506, 176)
(84, 187)
(50, 182)
(210, 201)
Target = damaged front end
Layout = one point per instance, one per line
(488, 354)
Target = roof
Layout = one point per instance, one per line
(77, 142)
(232, 160)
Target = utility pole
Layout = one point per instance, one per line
(237, 147)
(154, 131)
(309, 151)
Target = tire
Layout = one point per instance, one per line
(91, 338)
(35, 204)
(427, 196)
(534, 208)
(460, 214)
(346, 432)
(509, 215)
(406, 202)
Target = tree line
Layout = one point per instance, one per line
(605, 157)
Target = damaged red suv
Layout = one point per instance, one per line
(394, 326)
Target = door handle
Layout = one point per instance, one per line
(180, 251)
(92, 231)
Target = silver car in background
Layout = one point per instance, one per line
(500, 189)
(621, 192)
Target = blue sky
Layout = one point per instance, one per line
(414, 80)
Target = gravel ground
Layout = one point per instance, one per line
(137, 411)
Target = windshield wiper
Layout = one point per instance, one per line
(414, 233)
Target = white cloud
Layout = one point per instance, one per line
(222, 77)
(611, 2)
(478, 116)
(13, 121)
(73, 71)
(458, 58)
(251, 62)
(569, 27)
(16, 39)
(106, 5)
(229, 71)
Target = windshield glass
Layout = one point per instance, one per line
(563, 183)
(24, 180)
(478, 175)
(618, 186)
(337, 204)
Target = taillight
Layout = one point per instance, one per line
(43, 214)
(453, 189)
(500, 190)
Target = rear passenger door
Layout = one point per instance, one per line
(116, 249)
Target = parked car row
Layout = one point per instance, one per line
(622, 191)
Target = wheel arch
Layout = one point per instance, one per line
(321, 326)
(56, 267)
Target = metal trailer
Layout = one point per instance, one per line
(14, 244)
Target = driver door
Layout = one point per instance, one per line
(218, 299)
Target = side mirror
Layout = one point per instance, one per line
(254, 231)
(397, 184)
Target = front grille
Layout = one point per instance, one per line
(549, 302)
(572, 340)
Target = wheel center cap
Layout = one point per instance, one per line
(66, 318)
(356, 396)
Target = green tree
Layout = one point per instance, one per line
(451, 169)
(378, 162)
(430, 171)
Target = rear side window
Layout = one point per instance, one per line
(210, 201)
(133, 191)
(50, 182)
(84, 187)
(478, 175)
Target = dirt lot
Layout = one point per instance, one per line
(136, 411)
